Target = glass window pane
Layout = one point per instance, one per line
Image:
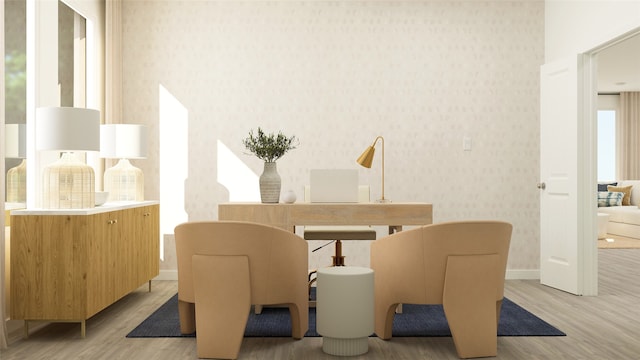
(606, 145)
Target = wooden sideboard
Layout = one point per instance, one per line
(67, 265)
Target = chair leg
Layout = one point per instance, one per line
(297, 331)
(311, 281)
(338, 259)
(469, 302)
(223, 301)
(384, 314)
(187, 313)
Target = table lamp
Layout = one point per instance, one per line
(15, 148)
(367, 158)
(68, 183)
(124, 182)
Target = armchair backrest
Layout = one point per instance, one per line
(278, 259)
(413, 263)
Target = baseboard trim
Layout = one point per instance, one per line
(167, 275)
(523, 274)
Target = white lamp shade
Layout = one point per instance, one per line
(67, 129)
(15, 140)
(123, 141)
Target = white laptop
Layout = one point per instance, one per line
(333, 185)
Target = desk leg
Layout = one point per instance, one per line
(394, 229)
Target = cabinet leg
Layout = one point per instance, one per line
(26, 329)
(83, 328)
(149, 285)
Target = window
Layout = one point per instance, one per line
(606, 145)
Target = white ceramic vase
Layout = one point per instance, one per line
(270, 183)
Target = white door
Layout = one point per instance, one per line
(561, 129)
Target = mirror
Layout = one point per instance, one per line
(71, 84)
(71, 56)
(15, 28)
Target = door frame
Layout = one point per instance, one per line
(588, 257)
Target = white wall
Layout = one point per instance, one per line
(573, 27)
(336, 74)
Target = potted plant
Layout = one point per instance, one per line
(269, 148)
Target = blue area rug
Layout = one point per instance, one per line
(415, 321)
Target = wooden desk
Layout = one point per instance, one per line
(287, 216)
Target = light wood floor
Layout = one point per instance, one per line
(601, 327)
(618, 242)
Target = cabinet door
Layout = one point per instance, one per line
(148, 249)
(48, 267)
(137, 248)
(125, 253)
(102, 252)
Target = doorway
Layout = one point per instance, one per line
(615, 65)
(568, 205)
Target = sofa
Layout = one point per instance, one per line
(624, 216)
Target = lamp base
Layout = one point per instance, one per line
(17, 183)
(68, 184)
(124, 182)
(383, 201)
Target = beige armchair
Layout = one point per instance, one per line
(460, 265)
(224, 267)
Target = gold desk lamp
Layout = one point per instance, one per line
(367, 158)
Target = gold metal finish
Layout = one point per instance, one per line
(366, 159)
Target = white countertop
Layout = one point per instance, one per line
(14, 206)
(109, 206)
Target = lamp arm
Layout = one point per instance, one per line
(381, 138)
(373, 145)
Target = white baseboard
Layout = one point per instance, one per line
(167, 275)
(15, 329)
(523, 274)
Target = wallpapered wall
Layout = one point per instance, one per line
(336, 74)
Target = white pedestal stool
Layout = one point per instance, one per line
(344, 309)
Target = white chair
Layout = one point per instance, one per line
(337, 233)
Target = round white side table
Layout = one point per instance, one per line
(344, 309)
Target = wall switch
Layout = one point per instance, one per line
(466, 143)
